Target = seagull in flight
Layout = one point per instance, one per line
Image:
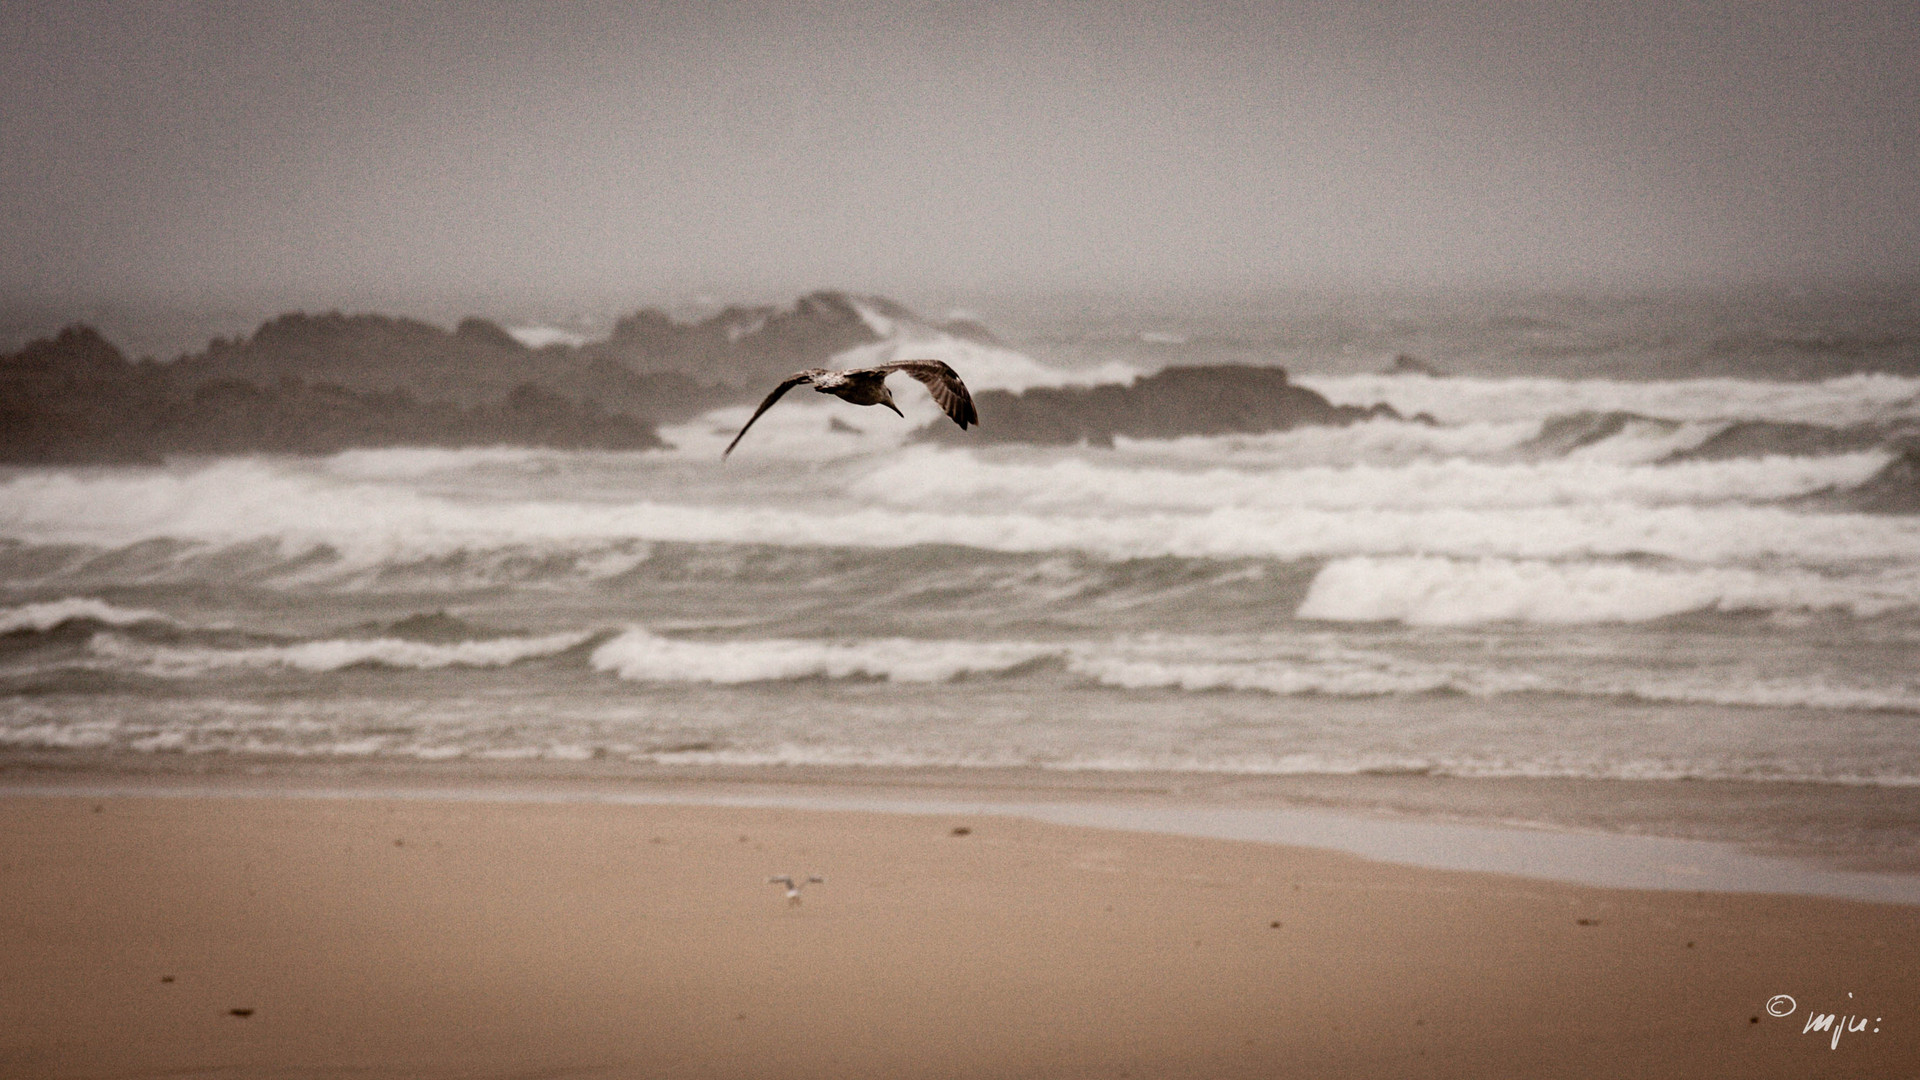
(868, 386)
(794, 884)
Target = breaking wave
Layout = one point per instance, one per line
(45, 616)
(1206, 664)
(1524, 514)
(1428, 591)
(167, 661)
(986, 367)
(1846, 400)
(1375, 441)
(643, 656)
(923, 476)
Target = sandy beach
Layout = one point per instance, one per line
(373, 937)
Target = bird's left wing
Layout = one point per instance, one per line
(944, 384)
(792, 381)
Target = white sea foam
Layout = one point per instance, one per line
(805, 427)
(1642, 442)
(1155, 662)
(1283, 678)
(1382, 441)
(1205, 664)
(981, 366)
(332, 654)
(1452, 592)
(642, 656)
(411, 462)
(45, 616)
(881, 325)
(1378, 441)
(926, 476)
(1804, 693)
(539, 337)
(370, 524)
(59, 735)
(1849, 399)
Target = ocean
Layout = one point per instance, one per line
(1554, 586)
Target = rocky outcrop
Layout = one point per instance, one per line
(1215, 400)
(476, 363)
(75, 399)
(1409, 364)
(747, 346)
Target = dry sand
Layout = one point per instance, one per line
(420, 938)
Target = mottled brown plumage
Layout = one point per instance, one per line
(868, 386)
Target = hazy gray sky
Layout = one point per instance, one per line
(324, 152)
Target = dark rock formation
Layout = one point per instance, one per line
(1409, 364)
(477, 363)
(307, 383)
(75, 399)
(369, 352)
(1216, 400)
(745, 346)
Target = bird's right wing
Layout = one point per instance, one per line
(944, 384)
(793, 380)
(787, 881)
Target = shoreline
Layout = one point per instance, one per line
(1394, 819)
(441, 937)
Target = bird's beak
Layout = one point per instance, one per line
(888, 402)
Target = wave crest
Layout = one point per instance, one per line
(1432, 591)
(1848, 399)
(642, 656)
(43, 617)
(333, 654)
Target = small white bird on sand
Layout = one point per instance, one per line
(794, 884)
(868, 386)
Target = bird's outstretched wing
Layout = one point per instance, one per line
(787, 881)
(792, 381)
(944, 384)
(816, 880)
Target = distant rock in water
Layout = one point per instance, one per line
(75, 399)
(1409, 364)
(319, 383)
(1214, 400)
(438, 628)
(749, 346)
(477, 364)
(76, 352)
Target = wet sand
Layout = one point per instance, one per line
(438, 938)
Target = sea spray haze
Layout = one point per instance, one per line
(1576, 579)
